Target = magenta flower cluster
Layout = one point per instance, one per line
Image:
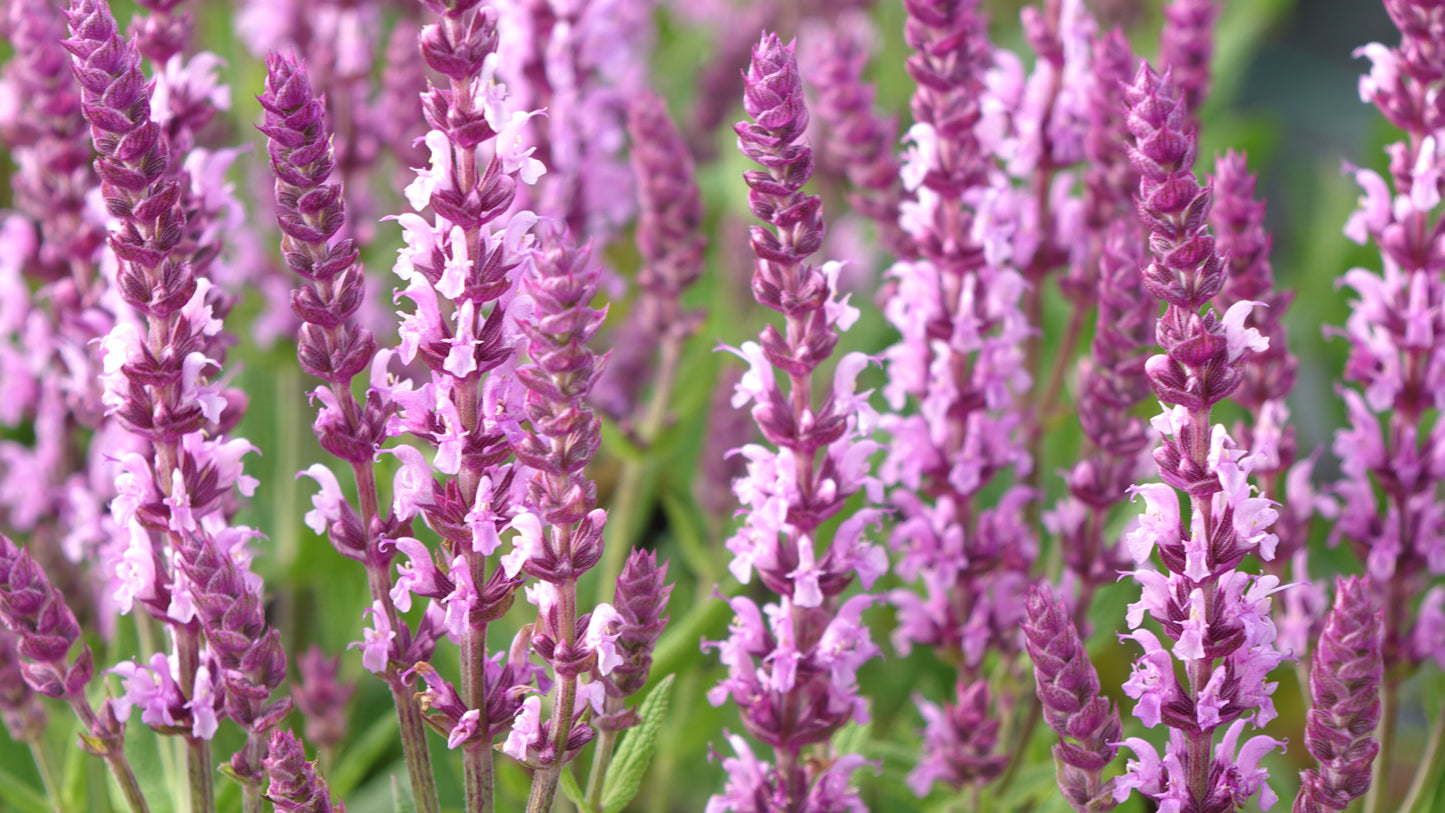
(887, 570)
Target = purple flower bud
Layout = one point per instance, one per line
(1186, 45)
(163, 33)
(1186, 271)
(669, 218)
(22, 714)
(49, 139)
(641, 602)
(294, 785)
(1068, 689)
(1345, 690)
(321, 697)
(1110, 180)
(958, 741)
(134, 163)
(35, 611)
(859, 141)
(1238, 221)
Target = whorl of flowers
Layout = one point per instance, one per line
(1104, 272)
(859, 141)
(1394, 331)
(954, 379)
(310, 212)
(1216, 619)
(793, 674)
(582, 61)
(160, 384)
(163, 29)
(460, 268)
(56, 478)
(45, 631)
(50, 145)
(560, 534)
(668, 221)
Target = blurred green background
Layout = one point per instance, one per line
(1285, 91)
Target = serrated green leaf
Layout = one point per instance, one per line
(401, 798)
(16, 792)
(635, 752)
(569, 786)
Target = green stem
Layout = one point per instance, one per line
(198, 751)
(252, 801)
(413, 729)
(414, 748)
(1033, 715)
(114, 757)
(477, 766)
(1376, 800)
(45, 766)
(602, 755)
(1429, 770)
(627, 499)
(544, 782)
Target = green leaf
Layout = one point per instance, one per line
(569, 786)
(635, 752)
(143, 748)
(73, 774)
(616, 441)
(357, 761)
(16, 792)
(852, 738)
(401, 797)
(689, 528)
(677, 648)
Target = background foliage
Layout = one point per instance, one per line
(1284, 91)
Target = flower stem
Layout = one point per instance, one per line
(414, 748)
(627, 499)
(602, 755)
(477, 755)
(45, 766)
(198, 750)
(544, 782)
(114, 758)
(1033, 714)
(1376, 799)
(1429, 770)
(413, 729)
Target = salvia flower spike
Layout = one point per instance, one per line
(793, 674)
(1216, 619)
